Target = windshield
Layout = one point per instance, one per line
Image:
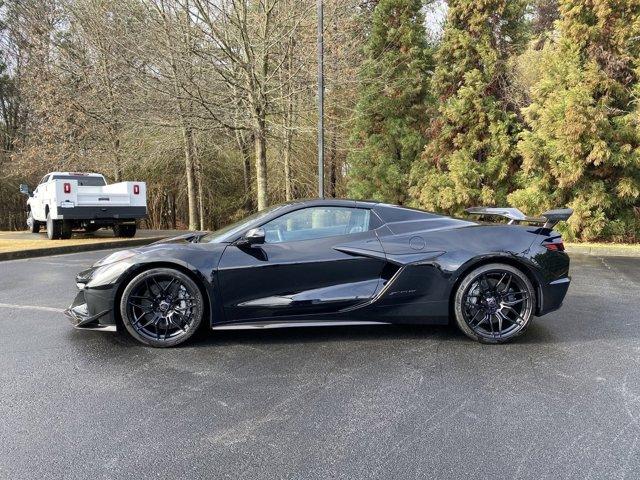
(230, 231)
(83, 181)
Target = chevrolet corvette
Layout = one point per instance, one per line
(333, 262)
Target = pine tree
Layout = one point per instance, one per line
(391, 113)
(582, 148)
(470, 154)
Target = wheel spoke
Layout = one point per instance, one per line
(521, 320)
(506, 288)
(177, 325)
(491, 325)
(141, 297)
(185, 319)
(519, 293)
(141, 307)
(153, 320)
(515, 302)
(149, 289)
(487, 287)
(155, 281)
(166, 288)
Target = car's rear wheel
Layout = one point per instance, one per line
(494, 303)
(65, 229)
(54, 228)
(162, 307)
(125, 230)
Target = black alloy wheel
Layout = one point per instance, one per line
(494, 303)
(162, 307)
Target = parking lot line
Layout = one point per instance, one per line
(31, 307)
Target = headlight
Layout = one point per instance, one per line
(107, 274)
(115, 257)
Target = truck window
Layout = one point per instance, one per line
(82, 180)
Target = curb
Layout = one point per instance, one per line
(88, 247)
(604, 251)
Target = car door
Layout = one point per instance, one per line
(315, 261)
(37, 201)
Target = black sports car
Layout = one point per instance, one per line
(333, 262)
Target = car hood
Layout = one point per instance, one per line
(189, 237)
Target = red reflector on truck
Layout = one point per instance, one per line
(136, 189)
(67, 188)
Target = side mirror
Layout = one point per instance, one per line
(25, 190)
(255, 236)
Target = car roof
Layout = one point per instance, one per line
(387, 212)
(72, 174)
(333, 202)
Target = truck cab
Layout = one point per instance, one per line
(64, 201)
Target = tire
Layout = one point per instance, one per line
(32, 223)
(54, 228)
(65, 230)
(494, 303)
(125, 230)
(162, 307)
(91, 228)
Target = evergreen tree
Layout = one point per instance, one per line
(470, 155)
(583, 146)
(390, 116)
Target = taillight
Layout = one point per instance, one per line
(136, 189)
(67, 188)
(555, 247)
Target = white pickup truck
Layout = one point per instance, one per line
(67, 200)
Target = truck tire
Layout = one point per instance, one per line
(124, 230)
(54, 228)
(65, 230)
(32, 223)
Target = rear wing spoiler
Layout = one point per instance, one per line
(547, 219)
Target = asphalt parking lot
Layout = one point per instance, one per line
(349, 402)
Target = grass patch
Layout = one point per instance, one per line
(14, 245)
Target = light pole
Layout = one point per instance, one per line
(320, 101)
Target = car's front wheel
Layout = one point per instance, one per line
(32, 223)
(494, 303)
(162, 307)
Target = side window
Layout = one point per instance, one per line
(316, 222)
(44, 179)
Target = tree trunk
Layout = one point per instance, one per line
(333, 160)
(117, 173)
(244, 145)
(260, 145)
(288, 191)
(288, 134)
(173, 211)
(200, 190)
(189, 168)
(288, 120)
